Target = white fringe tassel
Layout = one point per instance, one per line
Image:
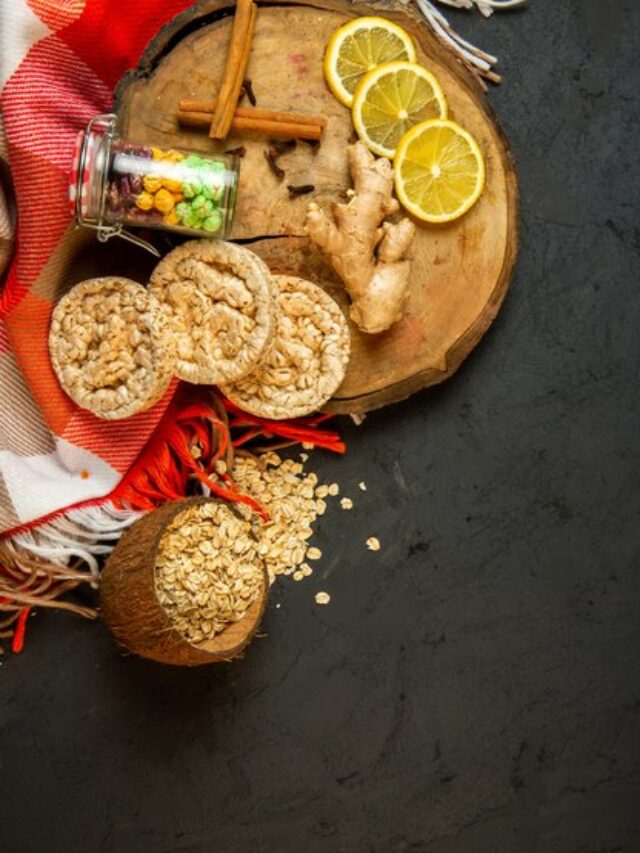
(80, 534)
(480, 63)
(487, 7)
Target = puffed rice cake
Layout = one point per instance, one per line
(308, 360)
(222, 308)
(111, 347)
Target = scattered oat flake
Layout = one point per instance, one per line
(271, 458)
(346, 503)
(306, 570)
(306, 445)
(362, 486)
(314, 553)
(373, 543)
(288, 496)
(322, 598)
(304, 456)
(334, 489)
(297, 576)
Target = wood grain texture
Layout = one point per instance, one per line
(137, 620)
(460, 273)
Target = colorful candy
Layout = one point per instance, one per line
(163, 201)
(169, 188)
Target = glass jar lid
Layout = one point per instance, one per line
(86, 184)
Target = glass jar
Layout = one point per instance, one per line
(117, 182)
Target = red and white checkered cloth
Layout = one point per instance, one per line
(59, 62)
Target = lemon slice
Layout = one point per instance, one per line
(359, 46)
(439, 171)
(390, 100)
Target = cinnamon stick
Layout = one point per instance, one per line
(263, 126)
(237, 60)
(194, 105)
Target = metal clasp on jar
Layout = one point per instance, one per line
(106, 232)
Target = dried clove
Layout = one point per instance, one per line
(247, 89)
(271, 156)
(281, 146)
(314, 144)
(301, 189)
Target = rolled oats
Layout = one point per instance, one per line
(208, 570)
(111, 348)
(322, 598)
(307, 361)
(373, 543)
(288, 496)
(222, 307)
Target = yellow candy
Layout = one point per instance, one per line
(170, 156)
(178, 197)
(163, 201)
(171, 185)
(152, 183)
(144, 201)
(171, 218)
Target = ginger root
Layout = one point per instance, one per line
(367, 253)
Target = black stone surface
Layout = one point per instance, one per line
(475, 686)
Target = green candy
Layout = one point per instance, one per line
(190, 190)
(215, 193)
(211, 187)
(213, 222)
(194, 160)
(182, 210)
(202, 207)
(215, 166)
(193, 221)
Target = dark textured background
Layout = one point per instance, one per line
(476, 685)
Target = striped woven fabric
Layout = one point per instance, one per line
(59, 62)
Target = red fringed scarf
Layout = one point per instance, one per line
(199, 430)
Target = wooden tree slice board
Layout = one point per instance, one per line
(460, 272)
